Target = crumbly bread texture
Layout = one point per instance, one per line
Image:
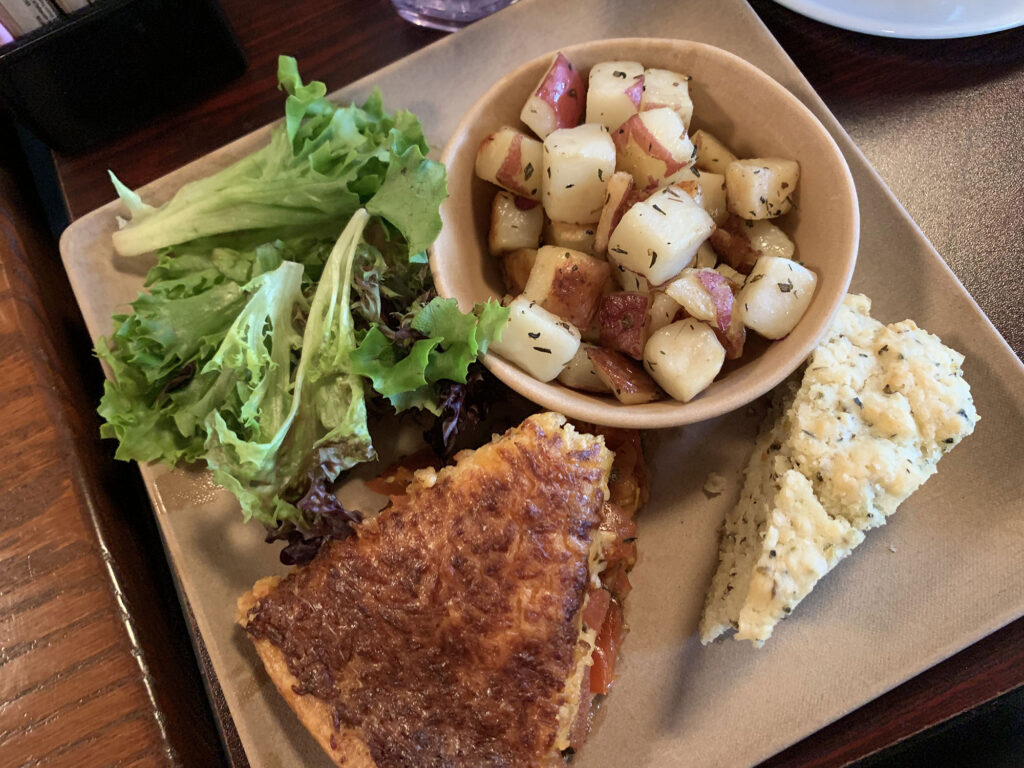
(876, 407)
(445, 631)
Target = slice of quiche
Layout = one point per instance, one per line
(463, 625)
(860, 430)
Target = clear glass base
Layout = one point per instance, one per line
(447, 15)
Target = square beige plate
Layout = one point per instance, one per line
(944, 572)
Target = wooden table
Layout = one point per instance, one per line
(96, 666)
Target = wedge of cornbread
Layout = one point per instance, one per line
(847, 441)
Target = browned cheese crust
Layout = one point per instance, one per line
(444, 632)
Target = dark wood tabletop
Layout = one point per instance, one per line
(96, 662)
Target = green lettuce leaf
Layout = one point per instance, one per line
(192, 267)
(462, 337)
(266, 452)
(250, 349)
(378, 360)
(151, 353)
(453, 341)
(411, 196)
(246, 382)
(320, 166)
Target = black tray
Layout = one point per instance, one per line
(112, 66)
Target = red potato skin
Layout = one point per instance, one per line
(728, 326)
(564, 91)
(636, 91)
(720, 290)
(525, 203)
(617, 202)
(639, 194)
(512, 166)
(515, 269)
(634, 129)
(624, 205)
(576, 291)
(623, 322)
(692, 188)
(733, 337)
(630, 383)
(732, 243)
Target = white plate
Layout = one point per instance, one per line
(920, 19)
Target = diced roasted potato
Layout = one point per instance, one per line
(568, 283)
(626, 379)
(663, 310)
(719, 289)
(516, 222)
(578, 237)
(712, 155)
(709, 296)
(512, 160)
(730, 274)
(581, 374)
(628, 280)
(712, 195)
(515, 267)
(616, 202)
(558, 101)
(538, 341)
(706, 256)
(731, 242)
(664, 88)
(611, 284)
(684, 358)
(614, 92)
(692, 295)
(623, 321)
(762, 187)
(734, 336)
(591, 334)
(775, 296)
(654, 148)
(577, 164)
(688, 184)
(660, 236)
(769, 240)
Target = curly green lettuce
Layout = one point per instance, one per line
(285, 284)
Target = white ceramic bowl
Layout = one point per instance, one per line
(755, 117)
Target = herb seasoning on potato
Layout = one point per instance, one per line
(657, 248)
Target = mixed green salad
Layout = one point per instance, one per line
(289, 288)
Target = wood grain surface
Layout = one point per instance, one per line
(95, 662)
(96, 667)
